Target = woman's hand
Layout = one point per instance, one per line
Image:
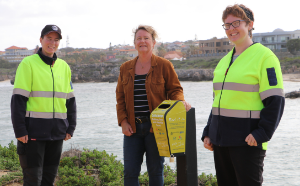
(126, 128)
(23, 139)
(207, 144)
(68, 136)
(187, 105)
(251, 140)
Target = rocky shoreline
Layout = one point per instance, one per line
(109, 72)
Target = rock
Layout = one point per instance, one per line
(293, 95)
(96, 74)
(195, 74)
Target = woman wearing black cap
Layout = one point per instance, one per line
(248, 103)
(43, 110)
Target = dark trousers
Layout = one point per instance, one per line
(134, 148)
(39, 161)
(239, 166)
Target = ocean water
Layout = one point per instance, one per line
(97, 128)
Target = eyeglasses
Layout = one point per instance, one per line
(234, 24)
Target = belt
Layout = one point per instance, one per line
(140, 120)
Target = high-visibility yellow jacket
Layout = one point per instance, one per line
(248, 98)
(47, 91)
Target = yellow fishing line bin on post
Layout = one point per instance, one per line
(169, 127)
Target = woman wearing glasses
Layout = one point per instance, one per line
(248, 103)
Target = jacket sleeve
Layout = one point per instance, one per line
(18, 112)
(269, 118)
(206, 128)
(21, 92)
(120, 97)
(71, 115)
(173, 87)
(71, 107)
(272, 96)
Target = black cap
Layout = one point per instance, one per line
(51, 28)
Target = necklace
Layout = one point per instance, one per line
(144, 64)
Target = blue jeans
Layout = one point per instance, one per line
(134, 148)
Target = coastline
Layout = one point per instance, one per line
(286, 77)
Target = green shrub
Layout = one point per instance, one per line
(207, 180)
(11, 177)
(74, 176)
(100, 166)
(169, 177)
(9, 159)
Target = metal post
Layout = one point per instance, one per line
(187, 172)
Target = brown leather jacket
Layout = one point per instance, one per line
(161, 84)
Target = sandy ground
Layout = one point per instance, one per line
(291, 77)
(2, 173)
(14, 184)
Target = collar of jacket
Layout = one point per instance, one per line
(46, 59)
(131, 67)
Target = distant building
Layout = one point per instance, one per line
(2, 53)
(110, 55)
(174, 47)
(131, 53)
(173, 55)
(215, 45)
(16, 54)
(277, 39)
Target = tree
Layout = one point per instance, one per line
(67, 49)
(183, 54)
(161, 51)
(293, 46)
(102, 57)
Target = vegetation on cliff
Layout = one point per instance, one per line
(196, 63)
(293, 46)
(86, 167)
(90, 67)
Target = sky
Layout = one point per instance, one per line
(96, 23)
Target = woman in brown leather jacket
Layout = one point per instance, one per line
(144, 82)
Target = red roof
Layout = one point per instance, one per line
(174, 52)
(172, 56)
(127, 50)
(16, 48)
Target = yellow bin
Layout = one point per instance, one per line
(169, 127)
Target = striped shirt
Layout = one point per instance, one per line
(141, 107)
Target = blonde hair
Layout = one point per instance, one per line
(147, 28)
(237, 11)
